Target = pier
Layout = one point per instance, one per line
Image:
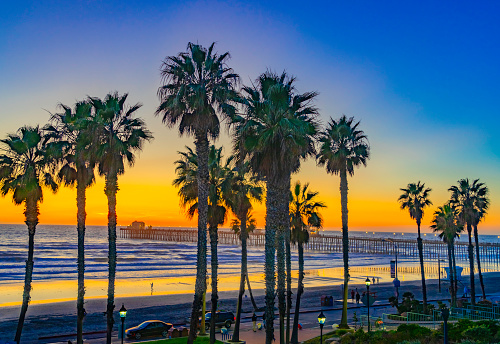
(327, 243)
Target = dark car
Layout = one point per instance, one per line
(222, 319)
(150, 328)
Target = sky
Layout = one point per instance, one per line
(422, 77)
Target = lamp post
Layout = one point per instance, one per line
(321, 320)
(123, 314)
(367, 282)
(446, 313)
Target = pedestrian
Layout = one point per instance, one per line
(373, 280)
(357, 297)
(352, 295)
(254, 321)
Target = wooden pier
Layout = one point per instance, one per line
(327, 243)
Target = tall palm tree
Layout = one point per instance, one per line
(464, 195)
(415, 199)
(481, 205)
(118, 136)
(342, 147)
(27, 163)
(220, 183)
(446, 223)
(276, 130)
(304, 214)
(245, 189)
(72, 128)
(198, 85)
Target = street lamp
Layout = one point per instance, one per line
(367, 282)
(321, 320)
(123, 314)
(445, 312)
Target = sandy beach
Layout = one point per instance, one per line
(57, 318)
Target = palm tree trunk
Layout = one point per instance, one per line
(288, 283)
(215, 264)
(201, 255)
(31, 215)
(422, 271)
(254, 304)
(476, 239)
(243, 238)
(471, 265)
(345, 244)
(110, 191)
(450, 267)
(81, 215)
(455, 277)
(300, 291)
(284, 224)
(272, 204)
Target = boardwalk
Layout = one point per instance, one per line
(408, 248)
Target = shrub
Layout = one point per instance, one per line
(478, 332)
(414, 330)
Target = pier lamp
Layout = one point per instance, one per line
(367, 282)
(123, 315)
(321, 320)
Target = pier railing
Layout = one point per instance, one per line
(433, 249)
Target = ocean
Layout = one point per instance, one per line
(171, 267)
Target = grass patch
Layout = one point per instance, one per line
(183, 340)
(336, 333)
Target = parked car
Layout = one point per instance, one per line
(150, 328)
(225, 319)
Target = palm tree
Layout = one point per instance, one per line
(27, 163)
(220, 183)
(343, 147)
(446, 222)
(304, 214)
(245, 188)
(71, 127)
(481, 205)
(465, 196)
(276, 130)
(198, 86)
(118, 135)
(415, 198)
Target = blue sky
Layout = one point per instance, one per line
(421, 76)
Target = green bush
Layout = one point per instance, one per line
(414, 330)
(478, 332)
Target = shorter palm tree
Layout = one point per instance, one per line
(251, 225)
(462, 198)
(118, 136)
(343, 147)
(219, 188)
(245, 188)
(27, 162)
(304, 214)
(446, 223)
(73, 130)
(415, 199)
(481, 205)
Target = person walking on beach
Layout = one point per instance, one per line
(352, 295)
(254, 321)
(357, 298)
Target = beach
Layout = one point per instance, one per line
(156, 279)
(58, 318)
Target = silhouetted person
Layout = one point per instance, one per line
(357, 298)
(254, 320)
(352, 295)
